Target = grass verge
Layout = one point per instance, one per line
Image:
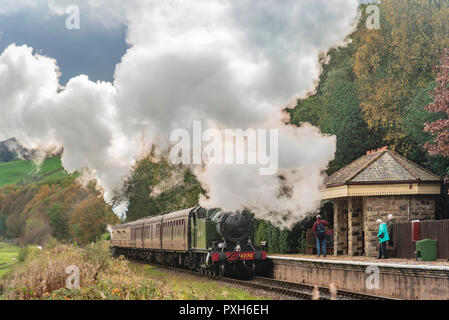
(42, 275)
(8, 257)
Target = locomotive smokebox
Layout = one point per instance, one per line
(233, 227)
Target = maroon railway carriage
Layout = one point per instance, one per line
(208, 240)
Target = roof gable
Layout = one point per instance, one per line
(385, 168)
(377, 167)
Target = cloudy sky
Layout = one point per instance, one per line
(137, 70)
(94, 49)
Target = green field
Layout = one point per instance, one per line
(25, 172)
(7, 253)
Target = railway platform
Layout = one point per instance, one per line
(395, 278)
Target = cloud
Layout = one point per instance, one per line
(228, 64)
(79, 117)
(8, 7)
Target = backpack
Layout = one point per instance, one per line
(321, 231)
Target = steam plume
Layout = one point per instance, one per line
(229, 64)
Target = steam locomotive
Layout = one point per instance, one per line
(210, 241)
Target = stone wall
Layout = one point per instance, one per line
(355, 226)
(401, 281)
(340, 226)
(403, 208)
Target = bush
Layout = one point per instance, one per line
(27, 251)
(106, 236)
(42, 275)
(108, 290)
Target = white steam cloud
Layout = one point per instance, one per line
(229, 64)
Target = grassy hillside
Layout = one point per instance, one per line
(25, 172)
(41, 204)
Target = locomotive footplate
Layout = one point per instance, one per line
(237, 256)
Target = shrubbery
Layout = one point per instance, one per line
(64, 211)
(41, 274)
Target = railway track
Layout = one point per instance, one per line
(290, 289)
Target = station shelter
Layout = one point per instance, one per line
(379, 183)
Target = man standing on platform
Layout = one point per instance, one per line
(320, 234)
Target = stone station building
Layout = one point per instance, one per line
(378, 184)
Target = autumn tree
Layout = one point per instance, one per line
(89, 220)
(393, 63)
(440, 105)
(36, 213)
(37, 230)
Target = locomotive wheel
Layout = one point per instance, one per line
(249, 275)
(222, 270)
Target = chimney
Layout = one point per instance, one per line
(378, 150)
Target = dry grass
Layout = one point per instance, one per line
(44, 271)
(184, 286)
(42, 275)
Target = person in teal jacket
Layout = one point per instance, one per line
(383, 239)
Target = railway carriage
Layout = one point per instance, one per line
(207, 240)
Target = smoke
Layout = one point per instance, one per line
(228, 64)
(175, 179)
(283, 198)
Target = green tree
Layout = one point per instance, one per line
(284, 245)
(335, 109)
(58, 221)
(261, 233)
(273, 242)
(156, 187)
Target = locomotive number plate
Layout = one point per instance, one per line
(246, 255)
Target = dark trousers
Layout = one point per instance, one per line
(323, 246)
(382, 250)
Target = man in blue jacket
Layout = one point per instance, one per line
(320, 234)
(383, 238)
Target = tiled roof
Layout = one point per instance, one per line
(382, 166)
